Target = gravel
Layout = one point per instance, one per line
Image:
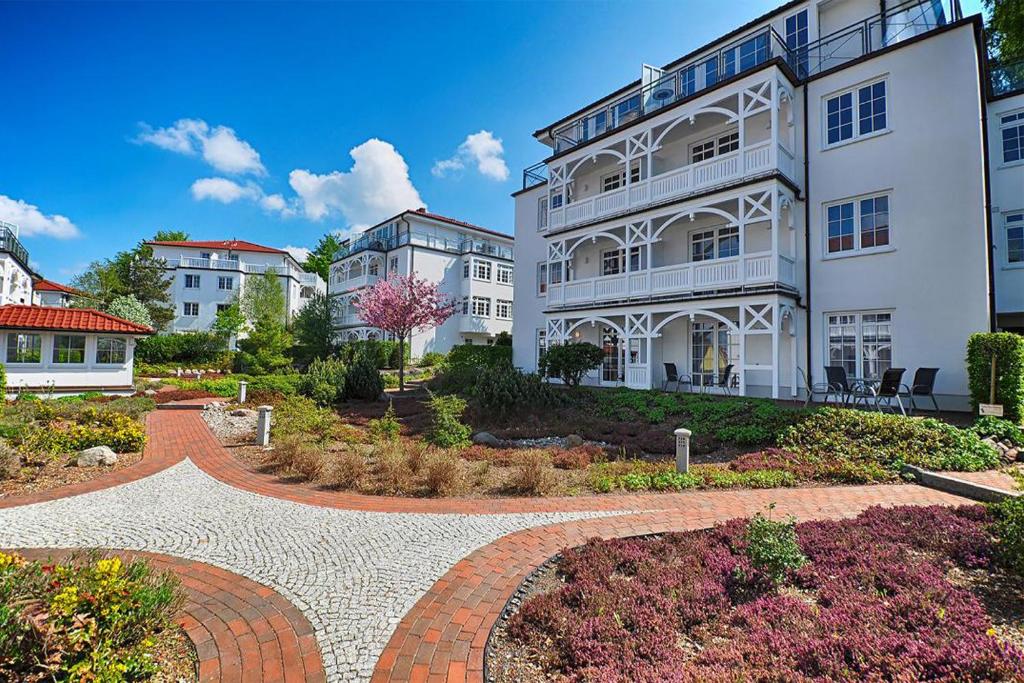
(228, 426)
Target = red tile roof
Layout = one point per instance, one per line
(21, 317)
(51, 286)
(233, 245)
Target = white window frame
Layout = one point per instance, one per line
(192, 277)
(185, 309)
(504, 274)
(221, 279)
(482, 270)
(617, 179)
(542, 278)
(858, 317)
(503, 309)
(854, 92)
(393, 264)
(480, 306)
(542, 214)
(121, 340)
(541, 343)
(857, 250)
(724, 142)
(54, 349)
(466, 268)
(718, 234)
(22, 363)
(1011, 119)
(1011, 220)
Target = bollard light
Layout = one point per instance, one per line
(263, 425)
(683, 449)
(242, 386)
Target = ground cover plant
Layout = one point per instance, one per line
(894, 594)
(86, 618)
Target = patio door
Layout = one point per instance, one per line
(613, 363)
(712, 348)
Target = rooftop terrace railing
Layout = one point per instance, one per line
(9, 243)
(461, 246)
(1008, 78)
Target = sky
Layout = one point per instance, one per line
(276, 123)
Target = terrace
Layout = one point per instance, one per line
(9, 242)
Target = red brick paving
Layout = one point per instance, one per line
(243, 631)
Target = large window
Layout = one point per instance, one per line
(1011, 129)
(840, 122)
(716, 146)
(191, 282)
(504, 274)
(1015, 238)
(714, 243)
(503, 309)
(190, 308)
(111, 350)
(482, 270)
(860, 342)
(614, 181)
(69, 348)
(857, 225)
(712, 348)
(542, 278)
(225, 282)
(796, 40)
(24, 348)
(481, 306)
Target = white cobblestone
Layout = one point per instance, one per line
(353, 574)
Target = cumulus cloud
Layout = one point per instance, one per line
(219, 146)
(223, 190)
(31, 221)
(300, 254)
(377, 186)
(482, 150)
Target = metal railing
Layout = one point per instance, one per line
(9, 243)
(461, 246)
(535, 175)
(1006, 78)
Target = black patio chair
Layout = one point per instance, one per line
(672, 376)
(923, 386)
(812, 389)
(889, 390)
(839, 384)
(725, 380)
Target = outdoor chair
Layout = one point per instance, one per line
(923, 386)
(672, 376)
(819, 389)
(725, 380)
(839, 385)
(889, 390)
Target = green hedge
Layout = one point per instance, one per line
(384, 353)
(228, 386)
(184, 347)
(1008, 350)
(478, 357)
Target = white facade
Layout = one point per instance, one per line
(471, 265)
(15, 276)
(209, 276)
(774, 202)
(1006, 155)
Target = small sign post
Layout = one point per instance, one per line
(991, 408)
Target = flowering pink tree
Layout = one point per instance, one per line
(401, 305)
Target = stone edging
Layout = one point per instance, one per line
(242, 631)
(960, 486)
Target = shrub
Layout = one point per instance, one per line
(383, 353)
(386, 428)
(534, 475)
(569, 362)
(391, 472)
(390, 380)
(442, 474)
(92, 427)
(182, 347)
(308, 460)
(772, 546)
(1008, 350)
(363, 379)
(889, 440)
(85, 618)
(181, 395)
(502, 390)
(430, 359)
(346, 470)
(324, 381)
(1008, 530)
(579, 458)
(998, 429)
(282, 384)
(446, 429)
(301, 416)
(465, 363)
(3, 381)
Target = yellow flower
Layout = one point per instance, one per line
(66, 602)
(11, 560)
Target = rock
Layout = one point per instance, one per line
(486, 439)
(574, 441)
(1012, 454)
(150, 392)
(243, 412)
(97, 455)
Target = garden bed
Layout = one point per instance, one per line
(894, 594)
(58, 472)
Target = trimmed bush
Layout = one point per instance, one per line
(383, 353)
(446, 429)
(1008, 530)
(1008, 350)
(570, 362)
(502, 390)
(324, 381)
(301, 416)
(772, 546)
(363, 379)
(430, 359)
(181, 347)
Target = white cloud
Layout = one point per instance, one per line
(223, 190)
(300, 254)
(377, 186)
(219, 146)
(31, 221)
(480, 149)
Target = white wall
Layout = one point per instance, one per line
(528, 307)
(82, 377)
(1007, 187)
(15, 281)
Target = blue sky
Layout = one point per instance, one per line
(240, 120)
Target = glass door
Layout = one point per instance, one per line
(612, 365)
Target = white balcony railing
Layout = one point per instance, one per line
(751, 269)
(717, 171)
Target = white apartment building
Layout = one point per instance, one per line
(808, 190)
(1006, 162)
(15, 273)
(209, 276)
(470, 264)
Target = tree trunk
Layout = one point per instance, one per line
(401, 363)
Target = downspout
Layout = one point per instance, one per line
(979, 43)
(807, 230)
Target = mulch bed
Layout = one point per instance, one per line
(60, 471)
(175, 654)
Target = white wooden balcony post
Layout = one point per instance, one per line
(742, 361)
(776, 326)
(741, 216)
(774, 263)
(773, 116)
(742, 135)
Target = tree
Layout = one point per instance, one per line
(1006, 29)
(171, 236)
(229, 321)
(401, 305)
(322, 256)
(130, 308)
(263, 299)
(314, 326)
(570, 362)
(263, 351)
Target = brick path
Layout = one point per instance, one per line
(243, 632)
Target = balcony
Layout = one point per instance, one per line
(206, 263)
(469, 323)
(683, 278)
(9, 243)
(359, 282)
(1005, 79)
(754, 159)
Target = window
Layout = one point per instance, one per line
(542, 213)
(797, 39)
(542, 344)
(503, 309)
(723, 144)
(482, 270)
(204, 255)
(860, 342)
(223, 307)
(555, 272)
(465, 268)
(710, 72)
(465, 305)
(688, 81)
(225, 282)
(374, 268)
(191, 282)
(111, 350)
(870, 213)
(627, 110)
(840, 124)
(69, 348)
(702, 150)
(720, 242)
(614, 181)
(712, 348)
(1015, 238)
(1011, 129)
(24, 348)
(556, 201)
(393, 264)
(481, 307)
(611, 262)
(504, 274)
(190, 309)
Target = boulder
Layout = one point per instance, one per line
(574, 441)
(486, 439)
(150, 392)
(97, 455)
(1013, 455)
(243, 412)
